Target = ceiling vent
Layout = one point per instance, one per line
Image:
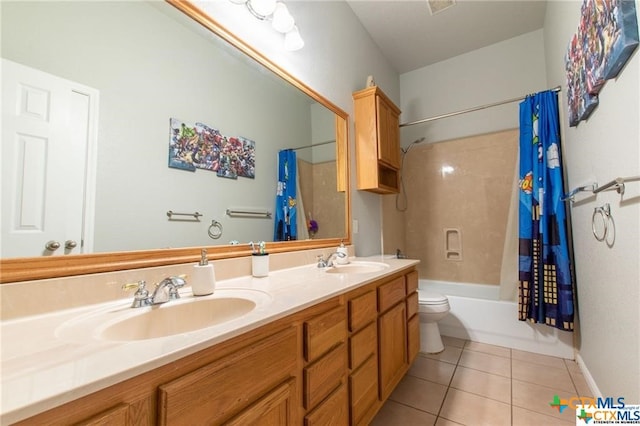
(437, 6)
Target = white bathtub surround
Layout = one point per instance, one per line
(481, 319)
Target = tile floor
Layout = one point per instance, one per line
(477, 384)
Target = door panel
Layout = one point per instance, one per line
(47, 136)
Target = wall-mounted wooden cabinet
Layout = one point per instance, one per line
(377, 128)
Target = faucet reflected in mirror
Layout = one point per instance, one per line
(125, 212)
(328, 262)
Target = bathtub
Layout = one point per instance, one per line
(477, 314)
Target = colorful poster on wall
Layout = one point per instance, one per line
(607, 35)
(247, 162)
(199, 146)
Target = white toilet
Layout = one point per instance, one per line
(433, 307)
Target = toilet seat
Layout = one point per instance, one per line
(429, 298)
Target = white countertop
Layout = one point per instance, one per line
(44, 365)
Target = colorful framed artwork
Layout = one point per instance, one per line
(247, 161)
(183, 143)
(207, 156)
(228, 158)
(581, 103)
(606, 38)
(199, 146)
(619, 29)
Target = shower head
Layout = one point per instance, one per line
(405, 150)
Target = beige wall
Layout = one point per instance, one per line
(474, 198)
(598, 150)
(326, 205)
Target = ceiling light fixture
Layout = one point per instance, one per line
(281, 20)
(437, 6)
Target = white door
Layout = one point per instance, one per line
(48, 163)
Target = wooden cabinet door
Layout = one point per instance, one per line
(413, 337)
(388, 134)
(392, 350)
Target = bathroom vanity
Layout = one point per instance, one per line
(319, 348)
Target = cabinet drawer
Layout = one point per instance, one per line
(333, 411)
(362, 310)
(274, 409)
(413, 304)
(323, 332)
(363, 388)
(390, 293)
(412, 282)
(118, 415)
(362, 345)
(324, 375)
(413, 338)
(210, 395)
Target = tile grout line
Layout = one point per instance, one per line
(575, 388)
(511, 382)
(444, 398)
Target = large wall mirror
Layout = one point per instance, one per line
(130, 68)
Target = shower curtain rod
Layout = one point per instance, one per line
(464, 111)
(314, 145)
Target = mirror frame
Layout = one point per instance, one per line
(34, 268)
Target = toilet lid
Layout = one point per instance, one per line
(429, 298)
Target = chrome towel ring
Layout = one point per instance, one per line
(215, 230)
(603, 225)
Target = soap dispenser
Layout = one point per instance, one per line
(203, 278)
(342, 260)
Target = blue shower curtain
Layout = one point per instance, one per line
(285, 211)
(546, 284)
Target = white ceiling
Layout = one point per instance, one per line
(411, 38)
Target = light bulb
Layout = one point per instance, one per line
(282, 20)
(263, 8)
(292, 40)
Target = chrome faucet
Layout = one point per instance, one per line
(165, 290)
(328, 262)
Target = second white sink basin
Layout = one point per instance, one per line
(358, 267)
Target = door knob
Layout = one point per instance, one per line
(52, 245)
(70, 244)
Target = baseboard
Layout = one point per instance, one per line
(593, 387)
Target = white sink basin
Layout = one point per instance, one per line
(358, 267)
(169, 319)
(174, 317)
